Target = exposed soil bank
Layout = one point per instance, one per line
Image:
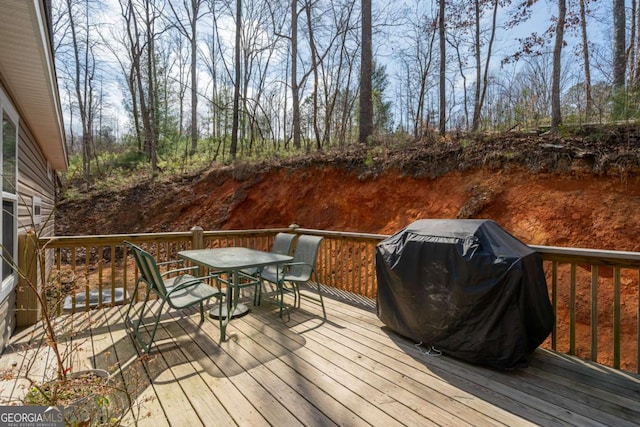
(585, 211)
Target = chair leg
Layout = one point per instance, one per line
(257, 293)
(135, 325)
(127, 316)
(324, 313)
(298, 296)
(155, 326)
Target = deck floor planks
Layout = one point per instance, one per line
(259, 366)
(237, 391)
(594, 402)
(23, 356)
(385, 353)
(427, 401)
(122, 358)
(386, 394)
(311, 397)
(217, 393)
(611, 380)
(238, 363)
(479, 380)
(611, 394)
(577, 411)
(452, 401)
(166, 395)
(175, 380)
(331, 379)
(190, 378)
(348, 370)
(273, 353)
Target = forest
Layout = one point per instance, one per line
(158, 85)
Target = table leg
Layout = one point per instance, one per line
(232, 308)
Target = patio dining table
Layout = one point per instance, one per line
(232, 260)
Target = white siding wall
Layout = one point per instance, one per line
(34, 180)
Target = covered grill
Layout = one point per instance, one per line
(466, 287)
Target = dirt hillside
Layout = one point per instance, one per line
(555, 200)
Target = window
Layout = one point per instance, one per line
(37, 210)
(9, 172)
(8, 238)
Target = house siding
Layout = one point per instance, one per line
(34, 180)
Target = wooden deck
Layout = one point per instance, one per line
(348, 370)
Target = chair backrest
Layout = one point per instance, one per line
(282, 243)
(306, 252)
(149, 271)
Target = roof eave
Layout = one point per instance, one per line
(28, 73)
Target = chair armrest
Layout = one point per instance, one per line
(301, 264)
(173, 261)
(193, 281)
(179, 270)
(299, 273)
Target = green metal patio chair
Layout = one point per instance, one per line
(176, 288)
(282, 243)
(300, 271)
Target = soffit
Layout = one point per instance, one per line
(27, 72)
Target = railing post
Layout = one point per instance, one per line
(27, 307)
(197, 237)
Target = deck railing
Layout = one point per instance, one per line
(594, 293)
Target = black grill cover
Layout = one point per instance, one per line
(466, 287)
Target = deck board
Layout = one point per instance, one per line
(349, 370)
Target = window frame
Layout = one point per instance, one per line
(6, 107)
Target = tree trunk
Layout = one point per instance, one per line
(314, 66)
(236, 84)
(636, 75)
(366, 71)
(295, 100)
(587, 65)
(556, 116)
(194, 78)
(476, 100)
(443, 69)
(619, 57)
(481, 91)
(83, 88)
(151, 94)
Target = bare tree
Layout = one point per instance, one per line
(619, 56)
(418, 61)
(366, 71)
(189, 29)
(482, 77)
(443, 68)
(295, 92)
(139, 21)
(336, 71)
(233, 148)
(556, 114)
(83, 74)
(585, 57)
(635, 18)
